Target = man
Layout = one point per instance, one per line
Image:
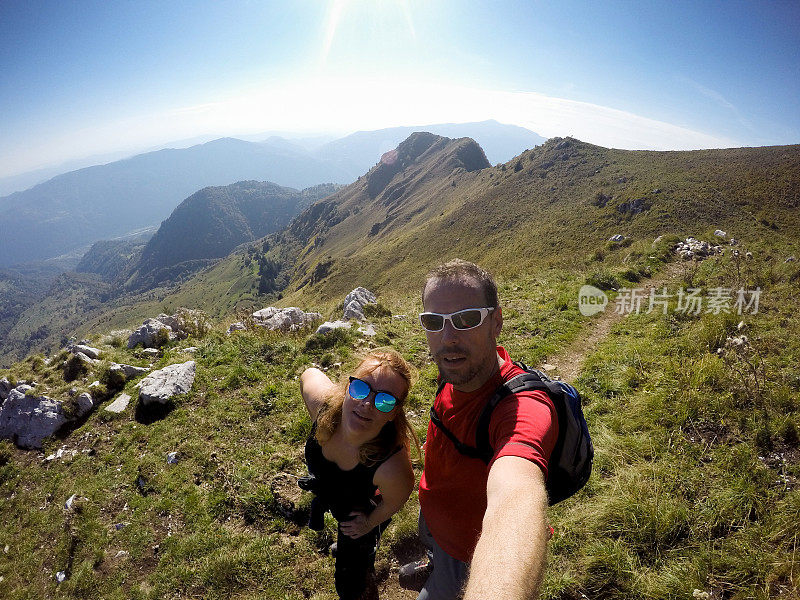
(486, 525)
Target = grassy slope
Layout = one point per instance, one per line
(695, 482)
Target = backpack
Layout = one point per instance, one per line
(571, 461)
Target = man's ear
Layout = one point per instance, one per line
(497, 321)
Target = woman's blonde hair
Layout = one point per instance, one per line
(396, 433)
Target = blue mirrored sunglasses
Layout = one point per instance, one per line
(359, 389)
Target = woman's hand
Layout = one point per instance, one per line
(358, 525)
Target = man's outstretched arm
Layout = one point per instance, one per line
(510, 557)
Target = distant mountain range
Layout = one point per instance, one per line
(75, 209)
(206, 226)
(430, 199)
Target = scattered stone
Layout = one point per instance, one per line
(285, 319)
(151, 352)
(616, 238)
(94, 384)
(119, 526)
(61, 577)
(119, 404)
(790, 259)
(128, 371)
(658, 239)
(331, 325)
(634, 207)
(189, 350)
(122, 554)
(70, 501)
(165, 383)
(734, 242)
(238, 326)
(93, 353)
(740, 326)
(691, 248)
(549, 367)
(28, 420)
(700, 595)
(720, 233)
(368, 331)
(172, 458)
(748, 255)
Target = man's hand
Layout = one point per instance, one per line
(510, 557)
(358, 525)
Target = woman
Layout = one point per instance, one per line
(358, 458)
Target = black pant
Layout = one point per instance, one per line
(355, 564)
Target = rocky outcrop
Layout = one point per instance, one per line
(28, 419)
(155, 332)
(161, 385)
(691, 248)
(84, 349)
(119, 404)
(285, 319)
(5, 389)
(354, 303)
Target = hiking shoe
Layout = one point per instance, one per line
(413, 575)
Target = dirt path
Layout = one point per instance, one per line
(568, 364)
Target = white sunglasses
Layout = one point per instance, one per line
(469, 318)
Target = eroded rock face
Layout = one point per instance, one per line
(150, 334)
(161, 385)
(28, 420)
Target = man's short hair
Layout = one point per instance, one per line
(459, 270)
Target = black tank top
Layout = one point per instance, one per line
(342, 491)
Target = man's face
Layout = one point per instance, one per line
(466, 358)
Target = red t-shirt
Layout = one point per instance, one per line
(452, 491)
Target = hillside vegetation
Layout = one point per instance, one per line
(695, 484)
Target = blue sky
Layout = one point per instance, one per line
(79, 78)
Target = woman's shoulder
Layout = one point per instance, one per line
(315, 387)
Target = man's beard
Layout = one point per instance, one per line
(455, 377)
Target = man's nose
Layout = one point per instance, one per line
(449, 333)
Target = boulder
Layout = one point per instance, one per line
(353, 311)
(149, 334)
(92, 353)
(85, 405)
(331, 325)
(28, 420)
(360, 295)
(238, 326)
(128, 371)
(161, 385)
(119, 404)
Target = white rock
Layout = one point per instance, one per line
(360, 295)
(148, 334)
(549, 367)
(28, 420)
(616, 238)
(61, 576)
(119, 404)
(368, 331)
(172, 458)
(170, 381)
(70, 501)
(331, 325)
(238, 326)
(720, 233)
(285, 319)
(87, 350)
(353, 311)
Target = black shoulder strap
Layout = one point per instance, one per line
(528, 381)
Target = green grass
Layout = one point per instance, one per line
(695, 484)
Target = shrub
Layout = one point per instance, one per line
(604, 280)
(376, 311)
(74, 368)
